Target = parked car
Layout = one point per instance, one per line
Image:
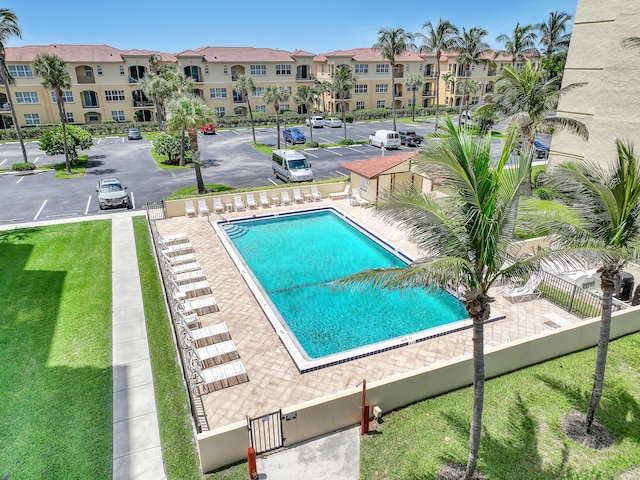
(316, 121)
(293, 135)
(332, 122)
(134, 134)
(112, 194)
(542, 151)
(410, 138)
(466, 120)
(208, 129)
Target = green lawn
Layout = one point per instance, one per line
(55, 352)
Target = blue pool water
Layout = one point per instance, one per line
(295, 257)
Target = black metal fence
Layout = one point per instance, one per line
(265, 432)
(155, 211)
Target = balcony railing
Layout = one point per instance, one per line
(142, 103)
(90, 105)
(86, 79)
(430, 74)
(134, 79)
(234, 77)
(239, 100)
(398, 74)
(428, 93)
(397, 93)
(304, 77)
(5, 107)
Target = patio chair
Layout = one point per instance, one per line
(188, 277)
(182, 268)
(529, 291)
(177, 249)
(202, 207)
(357, 200)
(185, 321)
(179, 259)
(201, 306)
(211, 355)
(189, 208)
(217, 205)
(297, 196)
(167, 240)
(190, 290)
(264, 200)
(338, 195)
(237, 203)
(215, 333)
(286, 199)
(251, 201)
(315, 194)
(217, 378)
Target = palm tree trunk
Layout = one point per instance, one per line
(413, 110)
(607, 276)
(16, 125)
(195, 158)
(310, 126)
(253, 128)
(63, 122)
(344, 119)
(182, 161)
(278, 126)
(393, 94)
(437, 88)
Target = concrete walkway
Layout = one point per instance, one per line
(137, 452)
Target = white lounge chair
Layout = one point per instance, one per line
(211, 355)
(177, 249)
(188, 277)
(179, 259)
(217, 378)
(190, 290)
(201, 306)
(264, 200)
(357, 200)
(167, 240)
(251, 201)
(215, 333)
(217, 205)
(182, 268)
(338, 195)
(202, 207)
(187, 321)
(286, 199)
(297, 196)
(189, 208)
(315, 194)
(529, 291)
(237, 203)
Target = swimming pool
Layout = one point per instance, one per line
(293, 257)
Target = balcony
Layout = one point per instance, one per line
(428, 93)
(86, 79)
(397, 93)
(234, 77)
(239, 99)
(304, 77)
(492, 72)
(90, 105)
(142, 103)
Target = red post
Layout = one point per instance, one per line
(251, 460)
(364, 420)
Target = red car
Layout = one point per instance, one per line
(208, 129)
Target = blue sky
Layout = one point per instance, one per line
(319, 26)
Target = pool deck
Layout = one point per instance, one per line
(274, 381)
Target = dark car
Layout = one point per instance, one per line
(134, 134)
(542, 151)
(208, 129)
(112, 194)
(293, 135)
(410, 138)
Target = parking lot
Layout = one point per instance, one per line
(228, 158)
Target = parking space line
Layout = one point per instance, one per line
(99, 140)
(133, 200)
(341, 173)
(325, 140)
(86, 210)
(40, 211)
(36, 160)
(1, 163)
(310, 154)
(272, 181)
(19, 180)
(334, 152)
(355, 149)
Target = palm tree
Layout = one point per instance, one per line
(322, 88)
(306, 96)
(630, 42)
(392, 43)
(471, 49)
(342, 84)
(163, 85)
(9, 28)
(55, 75)
(467, 86)
(188, 112)
(244, 86)
(438, 39)
(465, 236)
(414, 82)
(552, 35)
(609, 199)
(450, 79)
(275, 95)
(519, 45)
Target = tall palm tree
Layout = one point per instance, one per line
(609, 197)
(274, 94)
(9, 28)
(163, 85)
(438, 39)
(414, 81)
(342, 82)
(321, 89)
(471, 49)
(244, 86)
(392, 43)
(450, 79)
(465, 236)
(552, 35)
(517, 46)
(188, 112)
(55, 76)
(306, 96)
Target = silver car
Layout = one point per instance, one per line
(112, 194)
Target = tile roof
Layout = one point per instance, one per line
(239, 54)
(164, 56)
(69, 53)
(367, 55)
(373, 167)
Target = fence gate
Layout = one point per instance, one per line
(265, 432)
(155, 210)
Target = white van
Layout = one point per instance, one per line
(291, 166)
(387, 138)
(316, 121)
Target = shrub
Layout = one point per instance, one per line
(349, 118)
(346, 141)
(169, 145)
(21, 167)
(311, 144)
(544, 193)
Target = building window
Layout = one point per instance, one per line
(283, 69)
(219, 111)
(88, 71)
(289, 90)
(361, 88)
(114, 95)
(474, 100)
(117, 115)
(69, 117)
(20, 71)
(362, 68)
(206, 69)
(258, 69)
(27, 97)
(121, 70)
(238, 111)
(93, 116)
(382, 68)
(257, 92)
(380, 104)
(67, 97)
(284, 107)
(218, 92)
(225, 70)
(32, 119)
(99, 70)
(411, 102)
(261, 108)
(360, 105)
(382, 87)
